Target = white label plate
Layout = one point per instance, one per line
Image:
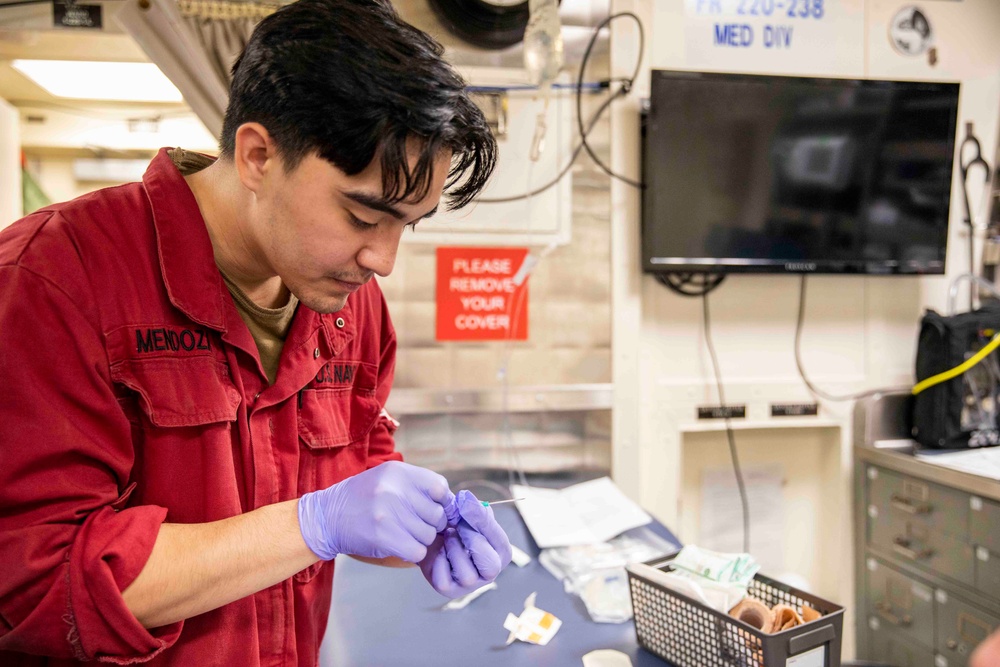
(814, 658)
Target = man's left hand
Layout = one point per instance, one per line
(470, 553)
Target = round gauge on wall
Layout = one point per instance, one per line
(910, 31)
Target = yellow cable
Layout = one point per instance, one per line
(957, 370)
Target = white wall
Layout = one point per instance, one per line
(860, 332)
(10, 165)
(55, 176)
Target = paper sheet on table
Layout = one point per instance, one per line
(983, 462)
(585, 513)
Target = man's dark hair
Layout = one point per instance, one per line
(351, 81)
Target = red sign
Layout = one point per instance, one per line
(476, 295)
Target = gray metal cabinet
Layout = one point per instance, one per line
(944, 555)
(927, 548)
(897, 650)
(914, 543)
(905, 500)
(988, 572)
(960, 628)
(901, 602)
(984, 523)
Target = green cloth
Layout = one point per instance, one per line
(32, 196)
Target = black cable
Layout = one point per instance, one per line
(972, 244)
(680, 283)
(558, 177)
(730, 436)
(972, 264)
(625, 86)
(816, 391)
(541, 188)
(624, 89)
(690, 283)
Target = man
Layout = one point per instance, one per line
(195, 367)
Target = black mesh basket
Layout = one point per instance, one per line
(687, 633)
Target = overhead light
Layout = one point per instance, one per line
(85, 80)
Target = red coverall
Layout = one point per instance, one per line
(131, 393)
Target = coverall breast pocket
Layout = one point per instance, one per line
(339, 406)
(180, 392)
(182, 413)
(333, 428)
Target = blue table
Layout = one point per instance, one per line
(383, 617)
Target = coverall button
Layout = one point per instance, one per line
(316, 353)
(340, 323)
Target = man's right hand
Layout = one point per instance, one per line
(470, 553)
(394, 509)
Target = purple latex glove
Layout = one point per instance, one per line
(470, 552)
(394, 509)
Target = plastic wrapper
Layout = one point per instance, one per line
(717, 580)
(596, 572)
(724, 568)
(721, 597)
(533, 625)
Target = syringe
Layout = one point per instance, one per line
(499, 502)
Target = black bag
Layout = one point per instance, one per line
(962, 411)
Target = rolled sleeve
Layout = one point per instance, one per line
(84, 594)
(107, 556)
(67, 454)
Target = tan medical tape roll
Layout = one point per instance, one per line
(754, 612)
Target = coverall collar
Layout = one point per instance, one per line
(187, 261)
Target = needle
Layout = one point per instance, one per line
(499, 502)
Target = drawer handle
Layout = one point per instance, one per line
(906, 505)
(885, 611)
(901, 546)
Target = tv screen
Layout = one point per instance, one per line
(788, 174)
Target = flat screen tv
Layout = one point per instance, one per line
(775, 174)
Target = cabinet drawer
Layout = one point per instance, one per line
(911, 542)
(960, 628)
(900, 603)
(901, 498)
(984, 523)
(988, 573)
(894, 649)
